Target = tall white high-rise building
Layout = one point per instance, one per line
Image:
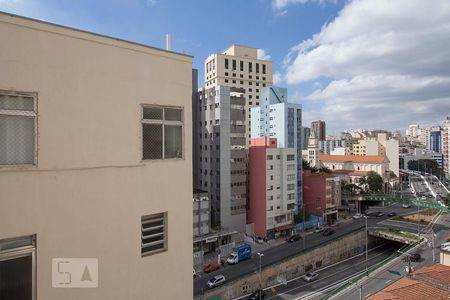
(239, 67)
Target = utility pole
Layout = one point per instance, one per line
(303, 227)
(432, 245)
(367, 250)
(260, 281)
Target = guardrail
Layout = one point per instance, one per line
(373, 268)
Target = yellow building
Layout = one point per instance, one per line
(95, 165)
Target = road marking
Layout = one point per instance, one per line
(389, 281)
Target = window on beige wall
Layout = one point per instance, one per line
(162, 132)
(153, 233)
(17, 129)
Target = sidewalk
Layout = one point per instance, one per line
(210, 257)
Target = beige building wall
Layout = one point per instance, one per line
(252, 82)
(89, 189)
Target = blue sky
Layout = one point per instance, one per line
(342, 60)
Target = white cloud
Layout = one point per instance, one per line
(151, 2)
(276, 78)
(9, 2)
(263, 54)
(281, 4)
(389, 62)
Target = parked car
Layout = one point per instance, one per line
(310, 276)
(372, 214)
(319, 229)
(212, 266)
(294, 238)
(415, 257)
(392, 214)
(357, 216)
(259, 240)
(380, 214)
(258, 294)
(406, 205)
(328, 232)
(216, 281)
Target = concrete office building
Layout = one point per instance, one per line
(320, 128)
(222, 155)
(306, 131)
(95, 133)
(327, 146)
(272, 188)
(283, 121)
(435, 139)
(239, 67)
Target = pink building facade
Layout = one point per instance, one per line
(272, 188)
(322, 195)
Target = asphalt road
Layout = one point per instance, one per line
(282, 251)
(384, 278)
(298, 289)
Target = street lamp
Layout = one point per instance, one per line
(367, 250)
(260, 283)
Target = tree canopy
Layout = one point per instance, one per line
(374, 181)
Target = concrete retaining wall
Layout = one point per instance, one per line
(295, 266)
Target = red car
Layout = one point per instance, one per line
(211, 267)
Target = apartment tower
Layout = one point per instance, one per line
(320, 128)
(222, 155)
(280, 119)
(239, 67)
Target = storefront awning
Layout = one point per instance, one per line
(284, 227)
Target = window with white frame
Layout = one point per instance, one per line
(162, 132)
(154, 233)
(17, 129)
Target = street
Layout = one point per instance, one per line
(286, 250)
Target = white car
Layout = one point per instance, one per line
(357, 216)
(216, 281)
(310, 276)
(406, 205)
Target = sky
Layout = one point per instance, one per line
(373, 64)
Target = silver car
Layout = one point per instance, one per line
(215, 281)
(310, 276)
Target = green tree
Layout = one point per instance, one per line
(306, 165)
(425, 165)
(392, 175)
(446, 199)
(298, 218)
(363, 183)
(374, 181)
(324, 169)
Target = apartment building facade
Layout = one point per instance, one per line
(322, 195)
(272, 188)
(327, 146)
(222, 155)
(275, 118)
(239, 67)
(95, 131)
(446, 147)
